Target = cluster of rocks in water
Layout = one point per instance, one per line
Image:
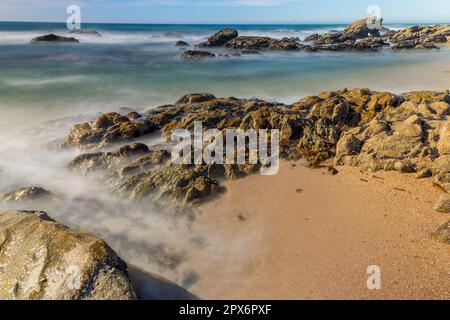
(356, 37)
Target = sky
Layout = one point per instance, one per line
(226, 11)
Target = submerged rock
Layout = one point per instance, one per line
(360, 127)
(181, 44)
(54, 38)
(42, 259)
(86, 32)
(263, 43)
(27, 194)
(195, 55)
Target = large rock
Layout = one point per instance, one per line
(359, 30)
(106, 129)
(54, 38)
(42, 259)
(220, 38)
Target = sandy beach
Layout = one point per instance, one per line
(310, 235)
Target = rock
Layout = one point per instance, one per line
(424, 173)
(90, 162)
(442, 233)
(54, 38)
(332, 170)
(27, 194)
(443, 203)
(85, 32)
(106, 129)
(220, 38)
(195, 98)
(360, 30)
(181, 44)
(250, 52)
(263, 43)
(41, 259)
(195, 55)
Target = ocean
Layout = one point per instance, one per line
(137, 66)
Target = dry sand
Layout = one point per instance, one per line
(317, 242)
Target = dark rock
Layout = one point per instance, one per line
(54, 38)
(181, 44)
(196, 55)
(263, 43)
(220, 38)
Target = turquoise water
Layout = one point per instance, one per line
(137, 66)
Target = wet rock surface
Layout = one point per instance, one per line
(220, 38)
(197, 55)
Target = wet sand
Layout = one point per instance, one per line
(304, 234)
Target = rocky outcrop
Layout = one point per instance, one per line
(106, 129)
(360, 127)
(54, 38)
(42, 259)
(220, 38)
(197, 55)
(360, 30)
(419, 37)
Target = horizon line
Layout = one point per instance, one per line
(226, 23)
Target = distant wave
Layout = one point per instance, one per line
(21, 82)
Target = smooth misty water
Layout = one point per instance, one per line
(137, 66)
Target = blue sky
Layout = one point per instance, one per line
(226, 11)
